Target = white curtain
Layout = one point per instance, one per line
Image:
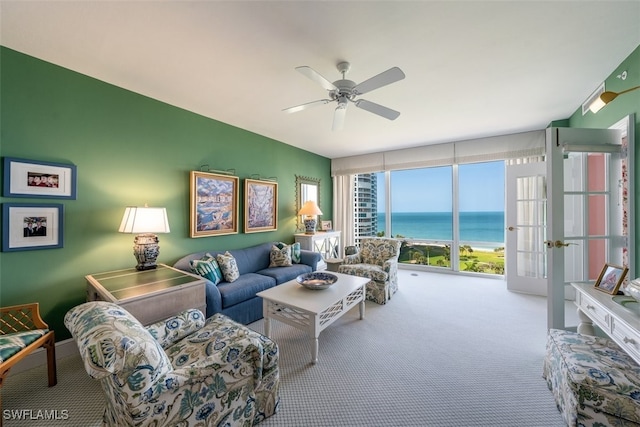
(343, 208)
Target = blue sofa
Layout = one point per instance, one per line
(238, 299)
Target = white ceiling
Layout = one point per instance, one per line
(473, 69)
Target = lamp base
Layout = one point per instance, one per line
(310, 226)
(146, 251)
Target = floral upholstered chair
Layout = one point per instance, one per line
(377, 260)
(181, 371)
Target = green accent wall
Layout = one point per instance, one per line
(619, 108)
(129, 150)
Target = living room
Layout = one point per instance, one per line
(131, 150)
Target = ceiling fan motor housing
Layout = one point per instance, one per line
(344, 88)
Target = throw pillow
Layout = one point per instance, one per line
(280, 257)
(207, 267)
(228, 266)
(295, 251)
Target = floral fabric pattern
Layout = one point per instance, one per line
(295, 251)
(280, 257)
(594, 382)
(229, 266)
(377, 260)
(222, 373)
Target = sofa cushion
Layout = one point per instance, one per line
(207, 267)
(244, 288)
(284, 274)
(228, 266)
(280, 257)
(10, 344)
(295, 251)
(373, 272)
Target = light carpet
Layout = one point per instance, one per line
(446, 350)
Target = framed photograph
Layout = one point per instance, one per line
(260, 206)
(30, 178)
(27, 226)
(214, 204)
(611, 278)
(326, 225)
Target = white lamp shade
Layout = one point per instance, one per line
(310, 208)
(144, 220)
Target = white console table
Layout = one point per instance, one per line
(326, 243)
(620, 322)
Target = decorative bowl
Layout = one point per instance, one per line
(317, 280)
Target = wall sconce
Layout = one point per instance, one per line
(145, 221)
(605, 98)
(310, 210)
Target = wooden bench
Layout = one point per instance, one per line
(22, 331)
(594, 382)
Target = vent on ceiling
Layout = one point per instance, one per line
(592, 97)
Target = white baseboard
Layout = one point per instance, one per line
(64, 348)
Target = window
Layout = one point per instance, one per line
(443, 225)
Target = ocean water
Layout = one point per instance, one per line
(474, 226)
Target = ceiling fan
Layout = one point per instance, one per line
(344, 91)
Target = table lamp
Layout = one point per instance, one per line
(145, 221)
(310, 210)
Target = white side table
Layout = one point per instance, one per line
(326, 243)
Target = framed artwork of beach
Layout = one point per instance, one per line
(260, 206)
(213, 204)
(610, 279)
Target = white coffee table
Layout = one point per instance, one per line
(312, 310)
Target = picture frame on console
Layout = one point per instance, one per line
(611, 278)
(260, 205)
(29, 226)
(326, 225)
(213, 204)
(38, 179)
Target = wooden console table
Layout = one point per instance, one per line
(149, 295)
(620, 322)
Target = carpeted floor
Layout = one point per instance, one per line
(445, 351)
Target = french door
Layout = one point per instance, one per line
(526, 228)
(587, 179)
(569, 215)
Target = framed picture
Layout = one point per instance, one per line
(30, 178)
(214, 204)
(28, 226)
(326, 225)
(611, 278)
(260, 206)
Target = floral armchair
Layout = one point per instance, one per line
(180, 371)
(377, 260)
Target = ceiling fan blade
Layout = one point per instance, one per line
(338, 117)
(378, 109)
(305, 106)
(316, 77)
(392, 75)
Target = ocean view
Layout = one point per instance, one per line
(474, 226)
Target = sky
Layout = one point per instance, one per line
(430, 189)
